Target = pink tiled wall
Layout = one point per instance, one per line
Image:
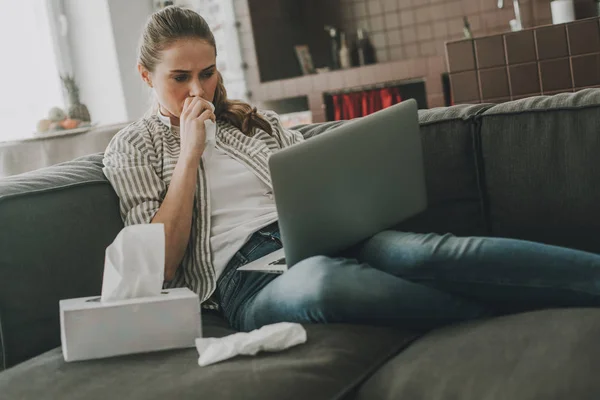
(406, 29)
(407, 35)
(510, 66)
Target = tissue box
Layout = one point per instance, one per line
(91, 329)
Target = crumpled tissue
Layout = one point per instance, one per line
(134, 265)
(275, 337)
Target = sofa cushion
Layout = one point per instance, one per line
(550, 355)
(335, 359)
(455, 202)
(56, 224)
(542, 174)
(2, 356)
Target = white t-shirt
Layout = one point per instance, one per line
(240, 202)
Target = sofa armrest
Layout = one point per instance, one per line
(56, 225)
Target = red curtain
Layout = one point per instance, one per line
(359, 104)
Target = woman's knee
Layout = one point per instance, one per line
(320, 270)
(402, 253)
(323, 282)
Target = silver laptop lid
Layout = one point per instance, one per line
(349, 183)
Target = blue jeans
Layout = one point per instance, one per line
(417, 281)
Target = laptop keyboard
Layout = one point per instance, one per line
(278, 262)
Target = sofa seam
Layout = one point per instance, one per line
(536, 110)
(355, 385)
(452, 119)
(483, 107)
(2, 345)
(486, 107)
(480, 175)
(52, 189)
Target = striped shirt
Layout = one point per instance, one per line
(139, 163)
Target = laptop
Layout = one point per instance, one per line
(345, 185)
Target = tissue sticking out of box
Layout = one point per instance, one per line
(135, 263)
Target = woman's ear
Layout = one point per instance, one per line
(145, 74)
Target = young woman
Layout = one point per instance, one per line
(213, 196)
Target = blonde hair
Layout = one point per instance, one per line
(172, 23)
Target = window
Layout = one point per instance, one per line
(221, 17)
(29, 78)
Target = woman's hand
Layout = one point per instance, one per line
(195, 111)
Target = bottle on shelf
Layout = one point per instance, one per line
(467, 28)
(333, 33)
(364, 48)
(354, 53)
(344, 56)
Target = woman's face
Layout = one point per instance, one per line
(187, 69)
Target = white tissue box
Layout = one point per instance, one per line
(91, 329)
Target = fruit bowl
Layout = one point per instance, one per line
(63, 132)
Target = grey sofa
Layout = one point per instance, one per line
(526, 169)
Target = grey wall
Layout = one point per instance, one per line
(128, 19)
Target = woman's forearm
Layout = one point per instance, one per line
(176, 212)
